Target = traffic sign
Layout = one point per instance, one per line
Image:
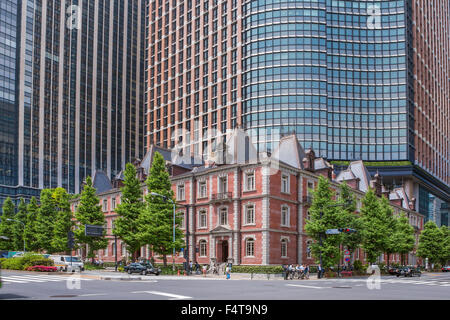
(346, 252)
(332, 231)
(347, 259)
(93, 231)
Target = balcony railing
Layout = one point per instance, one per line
(223, 196)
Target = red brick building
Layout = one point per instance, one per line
(251, 212)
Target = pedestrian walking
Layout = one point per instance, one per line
(228, 271)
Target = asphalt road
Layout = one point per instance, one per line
(24, 286)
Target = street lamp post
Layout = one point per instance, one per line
(23, 231)
(165, 199)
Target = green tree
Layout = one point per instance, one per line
(129, 211)
(446, 245)
(322, 217)
(6, 227)
(156, 221)
(89, 212)
(352, 241)
(30, 226)
(64, 220)
(403, 236)
(45, 220)
(391, 245)
(431, 243)
(374, 236)
(18, 228)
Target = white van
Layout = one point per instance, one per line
(66, 263)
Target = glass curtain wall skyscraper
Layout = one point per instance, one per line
(74, 92)
(355, 80)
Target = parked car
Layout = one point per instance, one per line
(151, 269)
(408, 271)
(445, 268)
(136, 268)
(392, 270)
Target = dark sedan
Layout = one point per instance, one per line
(445, 268)
(151, 269)
(135, 268)
(408, 272)
(142, 268)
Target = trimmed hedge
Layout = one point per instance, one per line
(22, 263)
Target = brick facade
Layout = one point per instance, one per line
(241, 219)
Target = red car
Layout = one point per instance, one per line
(446, 269)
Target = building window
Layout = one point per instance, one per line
(202, 219)
(105, 252)
(202, 189)
(284, 246)
(105, 205)
(250, 248)
(309, 249)
(250, 214)
(183, 221)
(180, 192)
(285, 183)
(285, 216)
(223, 216)
(223, 185)
(250, 181)
(113, 203)
(310, 188)
(124, 250)
(203, 247)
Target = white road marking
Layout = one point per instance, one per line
(22, 279)
(14, 281)
(174, 296)
(303, 286)
(92, 294)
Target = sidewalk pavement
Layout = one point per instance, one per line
(111, 275)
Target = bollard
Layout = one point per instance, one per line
(178, 272)
(251, 276)
(185, 273)
(204, 272)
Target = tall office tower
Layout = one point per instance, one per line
(72, 93)
(354, 80)
(194, 71)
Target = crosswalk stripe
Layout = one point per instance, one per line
(43, 278)
(21, 279)
(14, 281)
(37, 278)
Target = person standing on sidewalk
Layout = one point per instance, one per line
(228, 271)
(285, 271)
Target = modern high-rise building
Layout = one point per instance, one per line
(71, 91)
(355, 80)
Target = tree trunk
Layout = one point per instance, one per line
(388, 260)
(165, 260)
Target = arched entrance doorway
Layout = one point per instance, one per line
(224, 251)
